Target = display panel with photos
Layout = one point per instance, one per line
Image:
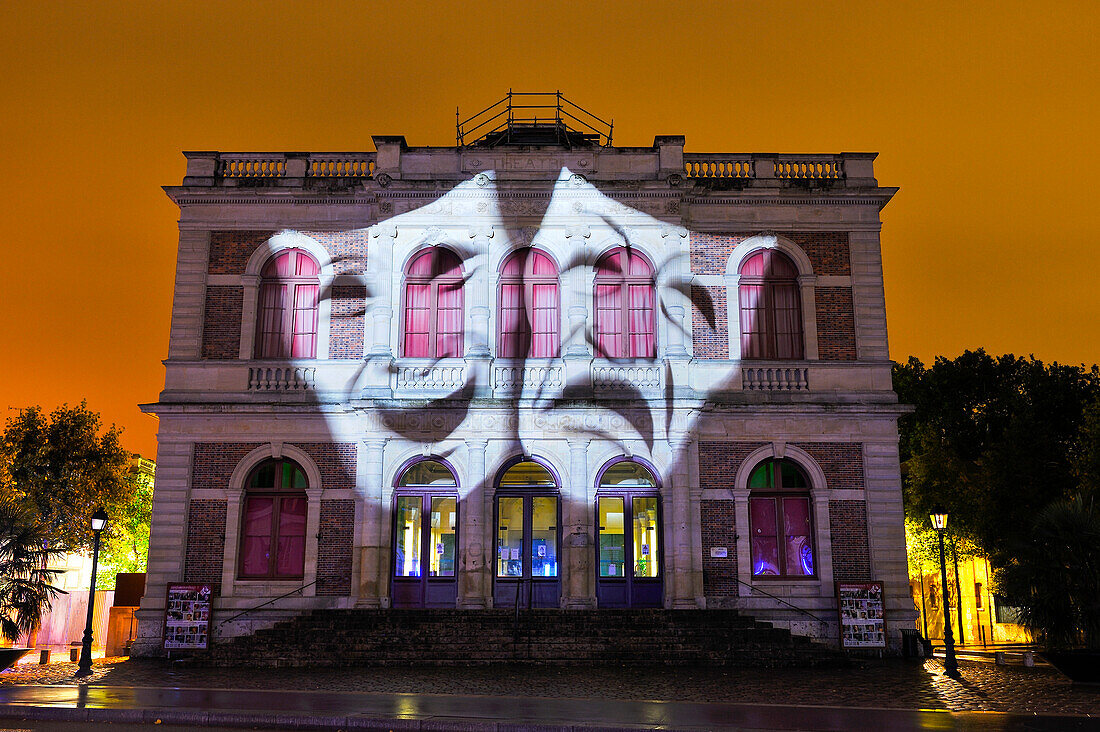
(187, 616)
(862, 614)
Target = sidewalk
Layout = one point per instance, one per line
(891, 695)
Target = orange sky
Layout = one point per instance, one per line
(985, 113)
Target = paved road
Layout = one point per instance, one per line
(348, 710)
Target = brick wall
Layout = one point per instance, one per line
(719, 462)
(334, 547)
(205, 543)
(851, 554)
(842, 462)
(709, 342)
(221, 322)
(347, 324)
(335, 460)
(836, 324)
(718, 527)
(230, 250)
(347, 249)
(214, 462)
(828, 252)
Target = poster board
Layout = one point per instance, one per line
(862, 610)
(187, 616)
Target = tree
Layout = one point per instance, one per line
(25, 589)
(993, 441)
(60, 468)
(125, 542)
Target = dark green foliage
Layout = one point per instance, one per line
(25, 589)
(61, 469)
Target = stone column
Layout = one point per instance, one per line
(577, 532)
(680, 534)
(477, 351)
(474, 582)
(376, 377)
(372, 575)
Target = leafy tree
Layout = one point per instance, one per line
(25, 589)
(61, 468)
(125, 542)
(994, 440)
(1056, 583)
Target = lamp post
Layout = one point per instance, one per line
(950, 665)
(99, 522)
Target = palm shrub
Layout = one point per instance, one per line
(25, 590)
(1056, 580)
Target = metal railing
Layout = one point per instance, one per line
(242, 613)
(781, 601)
(517, 111)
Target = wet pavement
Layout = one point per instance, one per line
(892, 694)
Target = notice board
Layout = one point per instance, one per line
(187, 616)
(862, 614)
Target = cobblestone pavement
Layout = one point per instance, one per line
(887, 684)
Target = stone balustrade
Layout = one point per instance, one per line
(282, 378)
(621, 377)
(545, 379)
(442, 377)
(775, 378)
(702, 165)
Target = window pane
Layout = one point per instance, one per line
(256, 535)
(753, 322)
(544, 536)
(270, 336)
(765, 546)
(417, 320)
(527, 473)
(514, 327)
(449, 321)
(264, 477)
(612, 537)
(643, 338)
(609, 326)
(305, 321)
(545, 321)
(442, 561)
(645, 536)
(407, 532)
(427, 472)
(290, 559)
(627, 474)
(792, 476)
(509, 537)
(763, 475)
(799, 546)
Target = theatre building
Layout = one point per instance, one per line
(533, 369)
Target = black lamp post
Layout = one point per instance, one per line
(950, 665)
(99, 522)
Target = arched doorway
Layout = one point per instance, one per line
(527, 517)
(425, 535)
(629, 571)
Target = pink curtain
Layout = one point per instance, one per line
(609, 325)
(788, 321)
(256, 535)
(417, 320)
(305, 321)
(514, 329)
(449, 321)
(290, 558)
(764, 543)
(269, 342)
(643, 339)
(544, 313)
(796, 527)
(753, 321)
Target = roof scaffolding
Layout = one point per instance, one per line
(533, 118)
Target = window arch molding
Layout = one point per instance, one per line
(658, 488)
(538, 459)
(235, 494)
(806, 282)
(607, 249)
(819, 510)
(252, 276)
(421, 458)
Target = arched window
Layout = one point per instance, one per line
(779, 521)
(625, 322)
(273, 532)
(771, 309)
(433, 305)
(287, 325)
(529, 309)
(425, 524)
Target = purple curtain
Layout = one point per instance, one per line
(609, 326)
(305, 321)
(764, 543)
(788, 321)
(545, 319)
(290, 559)
(513, 322)
(449, 321)
(796, 527)
(256, 535)
(269, 342)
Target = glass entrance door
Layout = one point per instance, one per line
(528, 539)
(629, 548)
(425, 540)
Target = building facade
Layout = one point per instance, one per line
(545, 372)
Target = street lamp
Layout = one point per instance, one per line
(950, 665)
(99, 522)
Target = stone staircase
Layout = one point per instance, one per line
(652, 636)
